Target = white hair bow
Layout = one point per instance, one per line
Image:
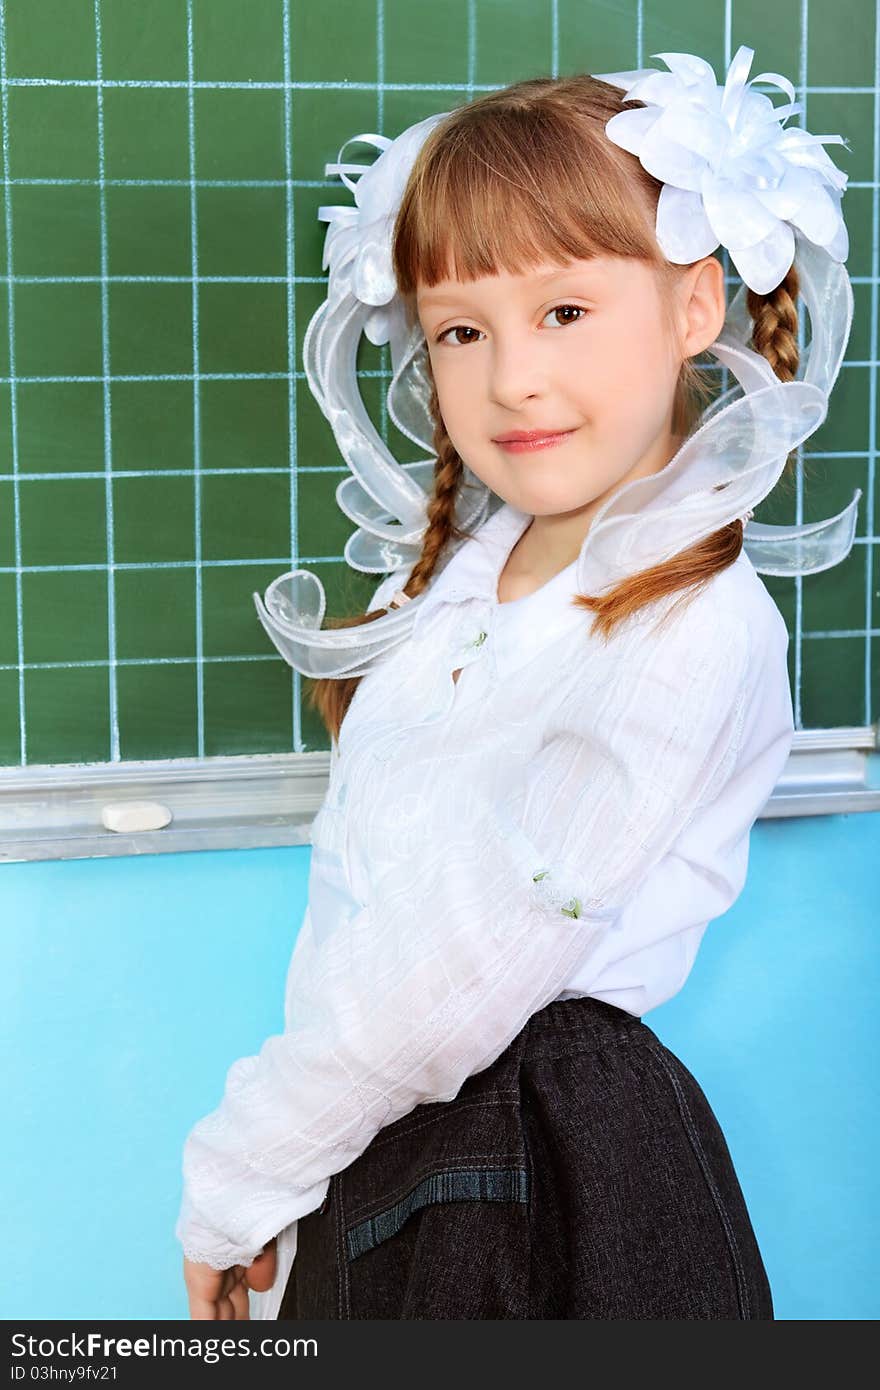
(357, 247)
(732, 173)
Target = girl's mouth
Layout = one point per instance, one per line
(531, 442)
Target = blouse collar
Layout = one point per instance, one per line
(475, 567)
(517, 628)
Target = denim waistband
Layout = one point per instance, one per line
(593, 1018)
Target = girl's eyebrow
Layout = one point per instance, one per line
(431, 298)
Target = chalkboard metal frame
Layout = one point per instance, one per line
(250, 802)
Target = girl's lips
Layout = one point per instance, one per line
(522, 446)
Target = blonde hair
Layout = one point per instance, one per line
(509, 181)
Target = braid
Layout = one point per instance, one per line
(441, 527)
(774, 331)
(331, 697)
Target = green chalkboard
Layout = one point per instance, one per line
(162, 458)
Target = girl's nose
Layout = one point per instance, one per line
(516, 376)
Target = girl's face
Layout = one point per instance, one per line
(584, 348)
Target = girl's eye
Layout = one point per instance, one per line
(558, 308)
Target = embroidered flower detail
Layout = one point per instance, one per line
(570, 906)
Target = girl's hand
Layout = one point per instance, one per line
(222, 1293)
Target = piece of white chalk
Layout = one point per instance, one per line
(135, 815)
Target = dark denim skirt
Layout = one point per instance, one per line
(582, 1175)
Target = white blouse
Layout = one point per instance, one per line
(565, 819)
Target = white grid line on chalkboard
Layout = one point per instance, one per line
(329, 86)
(251, 376)
(101, 567)
(872, 384)
(384, 354)
(113, 697)
(290, 245)
(817, 635)
(16, 505)
(267, 470)
(799, 452)
(120, 182)
(229, 279)
(197, 431)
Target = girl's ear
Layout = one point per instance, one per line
(703, 304)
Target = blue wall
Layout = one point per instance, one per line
(131, 984)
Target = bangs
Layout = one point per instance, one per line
(511, 184)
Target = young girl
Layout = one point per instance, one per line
(556, 724)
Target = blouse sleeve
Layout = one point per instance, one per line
(432, 978)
